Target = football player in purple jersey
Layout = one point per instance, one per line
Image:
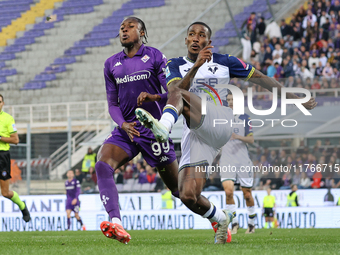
(136, 69)
(72, 187)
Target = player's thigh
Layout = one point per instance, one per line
(192, 108)
(169, 175)
(191, 182)
(113, 155)
(228, 186)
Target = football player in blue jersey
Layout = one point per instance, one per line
(202, 141)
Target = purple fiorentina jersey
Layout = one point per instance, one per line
(126, 78)
(72, 189)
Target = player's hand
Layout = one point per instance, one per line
(146, 97)
(204, 55)
(74, 201)
(233, 136)
(310, 104)
(129, 128)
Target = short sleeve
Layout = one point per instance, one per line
(11, 126)
(239, 69)
(172, 72)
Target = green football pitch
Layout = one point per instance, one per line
(270, 241)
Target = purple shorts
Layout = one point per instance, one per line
(71, 207)
(155, 154)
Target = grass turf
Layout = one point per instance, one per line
(270, 241)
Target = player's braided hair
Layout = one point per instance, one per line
(141, 22)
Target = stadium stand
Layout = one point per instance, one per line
(55, 45)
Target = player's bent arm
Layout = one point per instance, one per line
(184, 83)
(247, 139)
(14, 139)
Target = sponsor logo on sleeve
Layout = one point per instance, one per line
(14, 127)
(167, 72)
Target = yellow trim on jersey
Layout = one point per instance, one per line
(250, 74)
(250, 134)
(168, 61)
(173, 79)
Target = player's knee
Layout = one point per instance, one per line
(174, 90)
(247, 195)
(229, 193)
(189, 199)
(6, 194)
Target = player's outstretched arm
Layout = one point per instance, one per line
(270, 83)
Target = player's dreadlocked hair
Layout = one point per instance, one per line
(141, 22)
(203, 24)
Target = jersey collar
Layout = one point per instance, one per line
(139, 52)
(189, 60)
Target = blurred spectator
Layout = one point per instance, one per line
(89, 160)
(118, 177)
(261, 28)
(273, 159)
(276, 182)
(286, 181)
(246, 43)
(79, 176)
(93, 175)
(88, 185)
(159, 183)
(273, 30)
(142, 178)
(316, 184)
(150, 174)
(128, 174)
(305, 182)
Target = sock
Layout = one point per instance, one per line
(80, 221)
(266, 225)
(169, 117)
(15, 199)
(270, 224)
(214, 214)
(68, 223)
(107, 189)
(232, 208)
(251, 215)
(117, 220)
